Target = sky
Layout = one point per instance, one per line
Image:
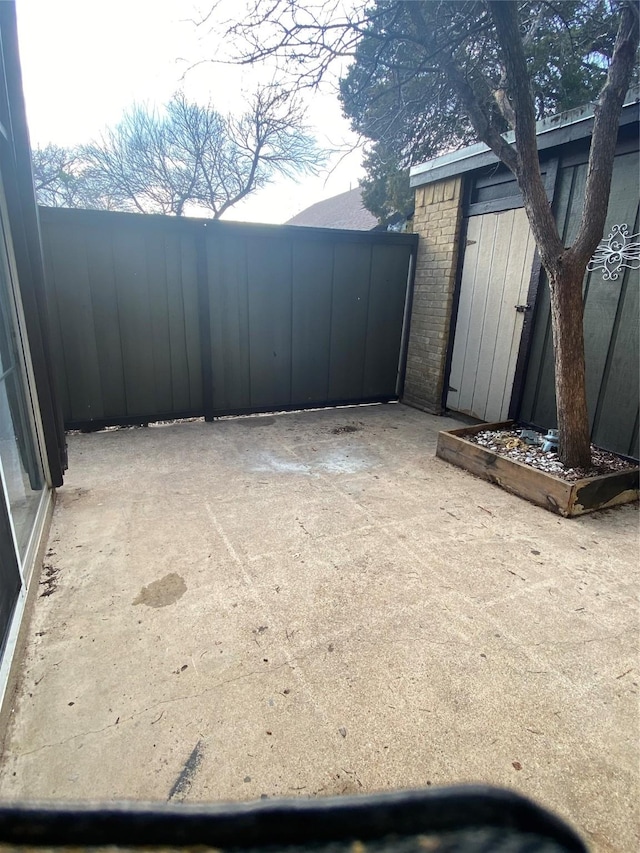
(84, 62)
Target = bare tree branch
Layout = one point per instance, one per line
(603, 139)
(187, 156)
(527, 167)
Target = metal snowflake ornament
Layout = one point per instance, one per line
(618, 251)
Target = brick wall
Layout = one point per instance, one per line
(437, 222)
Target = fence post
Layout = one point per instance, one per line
(406, 321)
(204, 307)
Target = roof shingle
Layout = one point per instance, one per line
(340, 211)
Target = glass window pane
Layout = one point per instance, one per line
(19, 457)
(21, 468)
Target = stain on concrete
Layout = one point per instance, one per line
(185, 779)
(49, 580)
(160, 593)
(326, 461)
(344, 463)
(70, 496)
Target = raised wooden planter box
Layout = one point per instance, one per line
(539, 487)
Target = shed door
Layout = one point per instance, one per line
(495, 279)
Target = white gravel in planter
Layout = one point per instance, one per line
(510, 444)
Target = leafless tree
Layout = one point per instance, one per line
(185, 158)
(269, 139)
(490, 82)
(55, 175)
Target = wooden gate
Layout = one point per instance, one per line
(157, 317)
(496, 269)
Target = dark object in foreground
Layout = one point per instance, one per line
(468, 819)
(540, 487)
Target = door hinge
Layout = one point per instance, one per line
(522, 308)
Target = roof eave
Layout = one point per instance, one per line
(553, 131)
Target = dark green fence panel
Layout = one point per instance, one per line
(312, 277)
(124, 312)
(229, 318)
(351, 277)
(616, 420)
(384, 320)
(269, 292)
(610, 322)
(104, 300)
(134, 308)
(157, 317)
(70, 280)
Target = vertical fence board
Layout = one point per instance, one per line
(505, 244)
(511, 323)
(351, 275)
(472, 341)
(135, 321)
(602, 303)
(189, 282)
(269, 287)
(106, 325)
(538, 401)
(618, 405)
(387, 295)
(229, 317)
(176, 343)
(311, 322)
(77, 325)
(600, 312)
(470, 267)
(49, 250)
(156, 268)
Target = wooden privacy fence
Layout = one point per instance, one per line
(157, 317)
(610, 318)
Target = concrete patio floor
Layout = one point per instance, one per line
(313, 604)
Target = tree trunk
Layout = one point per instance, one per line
(568, 346)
